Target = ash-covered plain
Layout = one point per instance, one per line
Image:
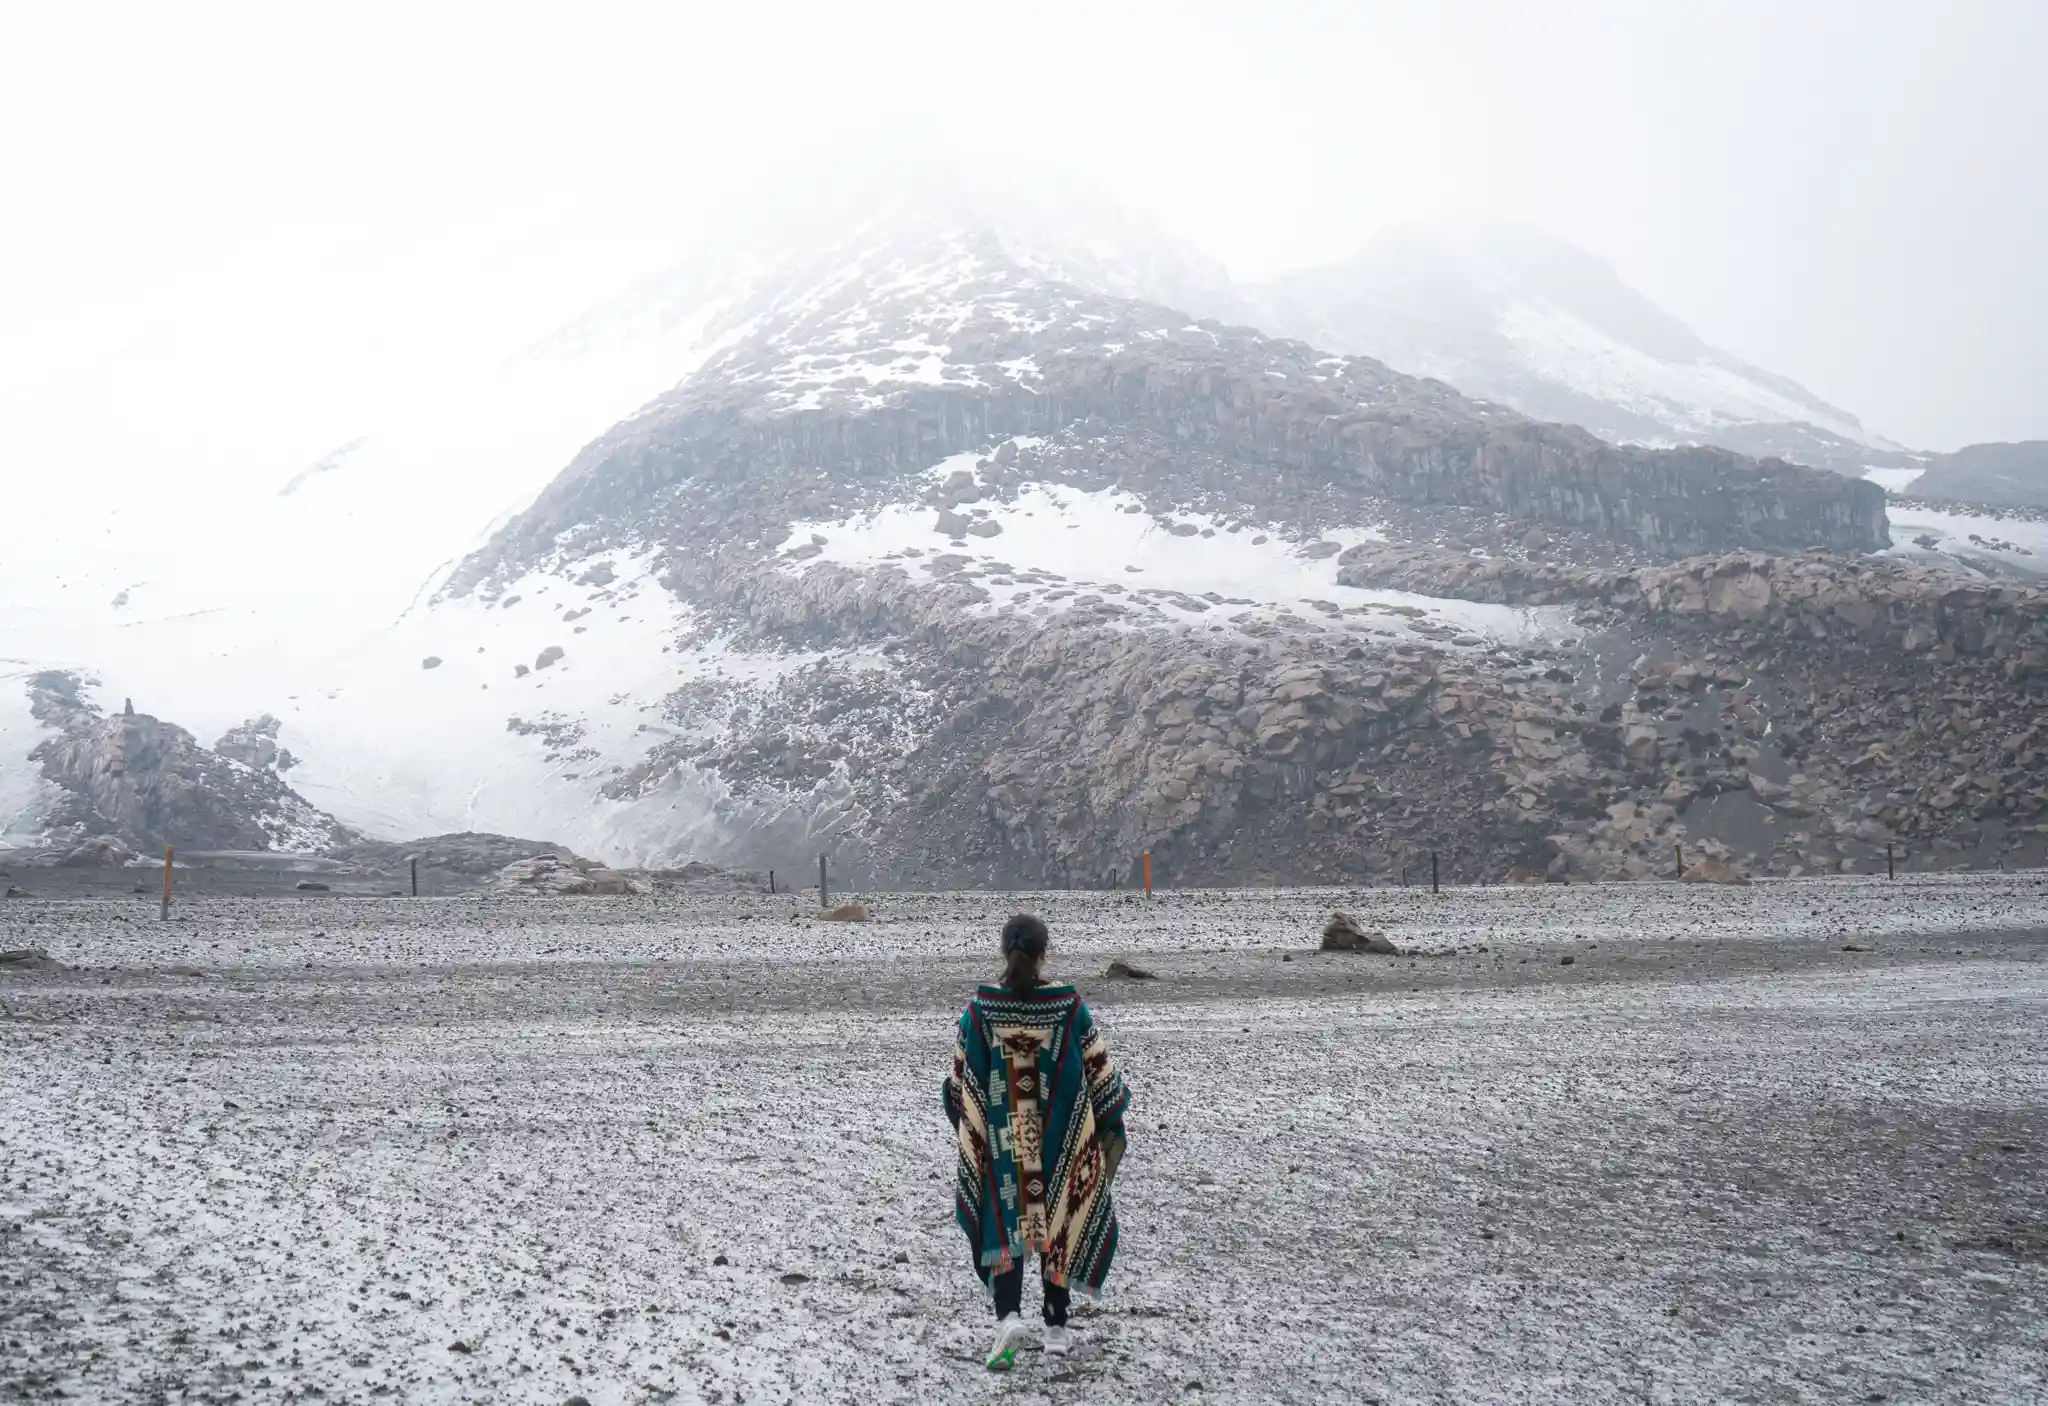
(1781, 1143)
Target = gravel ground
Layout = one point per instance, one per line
(1784, 1143)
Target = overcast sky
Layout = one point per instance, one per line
(1853, 194)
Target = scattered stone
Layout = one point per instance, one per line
(432, 661)
(1566, 960)
(548, 657)
(185, 971)
(310, 886)
(460, 1346)
(794, 1278)
(1120, 970)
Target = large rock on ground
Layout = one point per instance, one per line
(1343, 934)
(557, 876)
(1713, 871)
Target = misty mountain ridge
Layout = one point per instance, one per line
(948, 542)
(1505, 312)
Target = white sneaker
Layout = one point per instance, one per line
(1059, 1340)
(1009, 1333)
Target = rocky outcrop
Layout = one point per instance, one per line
(558, 876)
(564, 875)
(98, 852)
(1883, 605)
(1135, 395)
(148, 783)
(1999, 475)
(467, 852)
(254, 744)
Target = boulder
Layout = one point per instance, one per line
(1343, 934)
(852, 912)
(950, 524)
(31, 959)
(1713, 871)
(100, 852)
(1120, 970)
(556, 876)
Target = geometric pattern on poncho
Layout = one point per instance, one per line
(1040, 1108)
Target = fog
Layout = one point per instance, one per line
(247, 225)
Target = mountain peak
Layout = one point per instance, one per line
(1511, 314)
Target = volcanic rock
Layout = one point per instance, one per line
(147, 782)
(1713, 871)
(559, 876)
(1343, 934)
(99, 852)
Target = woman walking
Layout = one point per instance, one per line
(1039, 1108)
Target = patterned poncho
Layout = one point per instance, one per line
(1040, 1112)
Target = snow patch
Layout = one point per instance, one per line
(1893, 480)
(1976, 541)
(1060, 548)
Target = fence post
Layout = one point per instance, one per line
(1678, 852)
(415, 877)
(824, 886)
(1432, 873)
(164, 915)
(1889, 873)
(1148, 873)
(771, 881)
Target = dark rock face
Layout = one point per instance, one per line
(2001, 475)
(1219, 412)
(1870, 703)
(149, 783)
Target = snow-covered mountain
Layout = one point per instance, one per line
(954, 544)
(929, 527)
(1506, 313)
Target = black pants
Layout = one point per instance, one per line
(1009, 1288)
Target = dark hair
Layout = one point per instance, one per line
(1024, 938)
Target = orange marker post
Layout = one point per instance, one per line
(1148, 873)
(165, 914)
